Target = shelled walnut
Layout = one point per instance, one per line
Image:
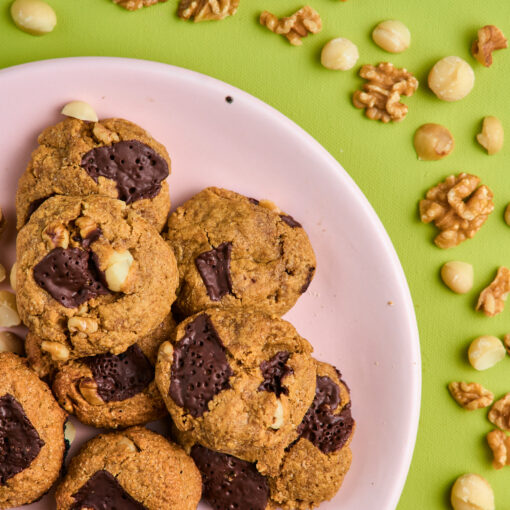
(134, 5)
(490, 38)
(207, 10)
(499, 414)
(380, 97)
(492, 298)
(458, 206)
(303, 22)
(470, 395)
(499, 443)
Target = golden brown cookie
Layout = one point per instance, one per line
(112, 157)
(31, 434)
(240, 381)
(92, 276)
(237, 251)
(131, 470)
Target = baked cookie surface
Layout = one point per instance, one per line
(112, 157)
(31, 434)
(233, 251)
(92, 276)
(240, 381)
(131, 470)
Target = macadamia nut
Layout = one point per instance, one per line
(3, 273)
(69, 432)
(12, 277)
(8, 312)
(339, 54)
(458, 276)
(392, 36)
(9, 342)
(485, 351)
(492, 136)
(472, 492)
(451, 79)
(117, 272)
(33, 16)
(80, 110)
(433, 142)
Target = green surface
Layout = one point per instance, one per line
(379, 157)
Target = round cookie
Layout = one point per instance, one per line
(92, 276)
(113, 157)
(240, 381)
(107, 390)
(131, 470)
(237, 251)
(31, 434)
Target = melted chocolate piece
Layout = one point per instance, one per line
(325, 430)
(70, 276)
(291, 222)
(36, 204)
(230, 483)
(119, 377)
(254, 201)
(137, 169)
(309, 277)
(104, 492)
(20, 443)
(214, 268)
(93, 236)
(273, 372)
(200, 368)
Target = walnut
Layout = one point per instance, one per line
(458, 206)
(55, 235)
(294, 28)
(492, 299)
(86, 225)
(103, 135)
(88, 390)
(381, 95)
(205, 10)
(134, 5)
(499, 443)
(470, 395)
(490, 38)
(499, 414)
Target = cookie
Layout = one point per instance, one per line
(92, 276)
(31, 434)
(107, 390)
(240, 381)
(131, 470)
(235, 251)
(114, 158)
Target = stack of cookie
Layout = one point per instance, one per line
(98, 286)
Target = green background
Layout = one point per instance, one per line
(379, 157)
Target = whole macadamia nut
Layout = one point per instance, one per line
(451, 79)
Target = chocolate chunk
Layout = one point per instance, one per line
(104, 492)
(291, 222)
(230, 483)
(136, 168)
(70, 276)
(327, 431)
(200, 368)
(254, 201)
(214, 268)
(20, 443)
(91, 237)
(36, 204)
(119, 377)
(309, 278)
(274, 371)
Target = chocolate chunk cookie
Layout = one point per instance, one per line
(92, 276)
(31, 434)
(114, 158)
(237, 251)
(240, 381)
(131, 470)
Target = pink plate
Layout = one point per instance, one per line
(358, 312)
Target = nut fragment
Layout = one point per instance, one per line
(88, 389)
(55, 235)
(492, 136)
(104, 135)
(392, 36)
(339, 54)
(490, 38)
(167, 350)
(134, 5)
(492, 299)
(80, 110)
(278, 416)
(380, 97)
(117, 270)
(86, 225)
(433, 142)
(9, 316)
(9, 342)
(472, 492)
(205, 10)
(294, 28)
(33, 16)
(12, 277)
(57, 351)
(451, 79)
(458, 276)
(499, 443)
(3, 273)
(128, 444)
(506, 343)
(485, 351)
(69, 432)
(458, 206)
(268, 204)
(499, 414)
(470, 396)
(83, 324)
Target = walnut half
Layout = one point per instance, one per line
(470, 396)
(499, 443)
(492, 298)
(206, 10)
(490, 38)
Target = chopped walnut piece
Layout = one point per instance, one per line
(499, 443)
(458, 206)
(499, 414)
(470, 396)
(492, 299)
(381, 95)
(294, 28)
(103, 135)
(134, 5)
(490, 38)
(205, 10)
